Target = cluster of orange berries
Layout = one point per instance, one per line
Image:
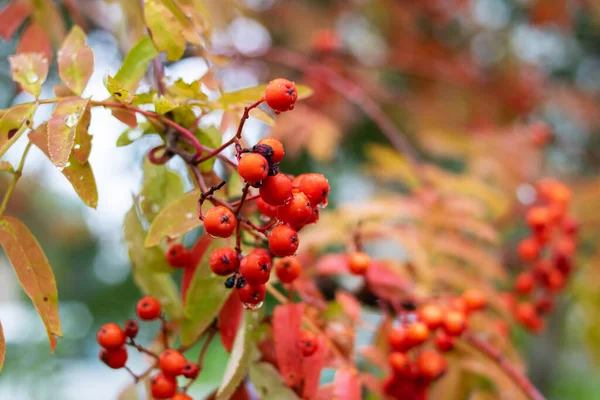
(416, 345)
(548, 253)
(171, 362)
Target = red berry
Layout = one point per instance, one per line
(524, 282)
(131, 328)
(171, 362)
(358, 263)
(262, 252)
(283, 241)
(190, 371)
(178, 256)
(278, 151)
(181, 396)
(265, 208)
(326, 41)
(224, 261)
(314, 217)
(309, 343)
(256, 268)
(529, 249)
(398, 339)
(288, 269)
(114, 358)
(454, 323)
(253, 167)
(525, 313)
(297, 211)
(431, 316)
(542, 270)
(399, 362)
(163, 387)
(570, 226)
(544, 305)
(148, 308)
(111, 336)
(417, 333)
(538, 217)
(431, 364)
(474, 299)
(555, 281)
(281, 95)
(315, 187)
(276, 190)
(444, 342)
(252, 294)
(219, 222)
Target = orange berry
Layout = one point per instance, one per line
(431, 315)
(276, 190)
(524, 282)
(171, 362)
(163, 387)
(111, 336)
(309, 343)
(458, 304)
(538, 217)
(256, 268)
(431, 364)
(297, 211)
(454, 323)
(555, 281)
(252, 294)
(224, 261)
(399, 362)
(315, 187)
(474, 299)
(358, 263)
(565, 246)
(266, 209)
(178, 256)
(398, 339)
(529, 249)
(114, 358)
(444, 342)
(525, 312)
(288, 269)
(181, 396)
(219, 222)
(148, 308)
(281, 95)
(278, 151)
(283, 241)
(417, 333)
(253, 167)
(326, 41)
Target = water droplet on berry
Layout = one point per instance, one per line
(71, 120)
(252, 307)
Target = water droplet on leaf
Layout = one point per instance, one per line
(71, 120)
(31, 77)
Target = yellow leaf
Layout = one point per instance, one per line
(177, 218)
(30, 71)
(75, 61)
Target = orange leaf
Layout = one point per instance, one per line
(125, 116)
(287, 320)
(311, 370)
(75, 61)
(2, 347)
(347, 384)
(34, 272)
(66, 117)
(35, 40)
(11, 18)
(229, 319)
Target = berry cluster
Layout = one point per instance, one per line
(548, 253)
(416, 345)
(170, 362)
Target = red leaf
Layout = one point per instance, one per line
(311, 370)
(229, 319)
(347, 384)
(287, 320)
(326, 392)
(198, 251)
(309, 292)
(349, 304)
(35, 40)
(386, 284)
(11, 18)
(333, 264)
(125, 116)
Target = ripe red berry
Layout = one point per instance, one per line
(171, 362)
(163, 387)
(266, 209)
(224, 261)
(454, 323)
(178, 256)
(474, 299)
(565, 246)
(544, 305)
(181, 396)
(252, 294)
(542, 270)
(431, 315)
(398, 339)
(358, 263)
(444, 342)
(190, 370)
(570, 226)
(529, 249)
(114, 358)
(525, 313)
(281, 95)
(263, 252)
(283, 241)
(314, 217)
(315, 187)
(219, 222)
(555, 281)
(276, 190)
(288, 269)
(253, 167)
(309, 343)
(148, 308)
(278, 151)
(417, 333)
(255, 268)
(131, 328)
(326, 41)
(297, 211)
(524, 282)
(431, 364)
(538, 217)
(399, 362)
(458, 304)
(111, 336)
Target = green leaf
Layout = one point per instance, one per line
(34, 272)
(184, 115)
(135, 64)
(205, 297)
(80, 175)
(66, 117)
(75, 61)
(166, 30)
(252, 94)
(2, 347)
(268, 382)
(241, 355)
(212, 137)
(164, 104)
(186, 90)
(13, 123)
(132, 134)
(144, 98)
(176, 219)
(160, 188)
(146, 263)
(30, 71)
(5, 166)
(116, 90)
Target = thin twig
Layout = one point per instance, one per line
(16, 175)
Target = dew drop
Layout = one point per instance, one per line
(324, 204)
(77, 146)
(252, 307)
(71, 120)
(81, 178)
(68, 164)
(31, 77)
(189, 215)
(28, 267)
(154, 207)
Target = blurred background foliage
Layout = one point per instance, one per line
(466, 81)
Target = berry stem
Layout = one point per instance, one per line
(494, 354)
(141, 349)
(207, 194)
(211, 335)
(165, 331)
(16, 175)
